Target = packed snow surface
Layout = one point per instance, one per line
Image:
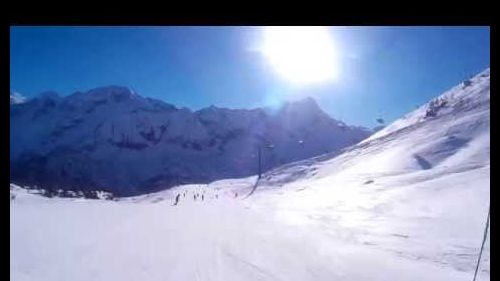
(409, 203)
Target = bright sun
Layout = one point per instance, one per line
(301, 54)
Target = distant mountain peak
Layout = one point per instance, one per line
(306, 103)
(112, 89)
(307, 108)
(49, 95)
(16, 98)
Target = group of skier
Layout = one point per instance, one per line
(196, 196)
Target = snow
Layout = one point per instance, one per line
(456, 97)
(408, 204)
(17, 98)
(315, 234)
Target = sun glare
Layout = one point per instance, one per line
(301, 54)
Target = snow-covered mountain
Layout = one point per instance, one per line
(16, 98)
(407, 204)
(112, 138)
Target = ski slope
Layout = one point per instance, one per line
(408, 203)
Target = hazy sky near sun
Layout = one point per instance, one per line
(382, 71)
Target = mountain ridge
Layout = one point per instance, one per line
(114, 126)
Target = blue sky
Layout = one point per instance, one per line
(384, 71)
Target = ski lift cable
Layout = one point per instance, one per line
(482, 245)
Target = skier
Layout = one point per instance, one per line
(177, 199)
(202, 197)
(235, 194)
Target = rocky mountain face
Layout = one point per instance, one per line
(114, 139)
